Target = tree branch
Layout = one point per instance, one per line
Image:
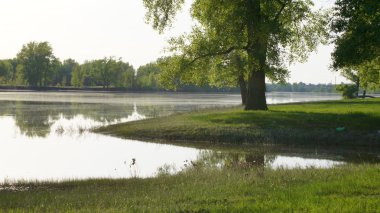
(212, 54)
(283, 5)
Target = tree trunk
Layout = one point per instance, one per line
(258, 37)
(357, 88)
(365, 93)
(256, 99)
(243, 89)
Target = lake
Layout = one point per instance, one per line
(45, 136)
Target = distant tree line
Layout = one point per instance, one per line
(36, 66)
(301, 87)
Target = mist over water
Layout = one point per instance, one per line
(45, 136)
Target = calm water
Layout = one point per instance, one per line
(45, 136)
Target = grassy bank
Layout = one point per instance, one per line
(345, 189)
(300, 123)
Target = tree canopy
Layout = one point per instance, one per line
(357, 27)
(106, 72)
(6, 71)
(37, 62)
(267, 34)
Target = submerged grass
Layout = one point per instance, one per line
(351, 188)
(300, 123)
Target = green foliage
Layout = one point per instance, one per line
(348, 91)
(38, 63)
(6, 71)
(77, 76)
(301, 87)
(148, 76)
(266, 34)
(366, 75)
(357, 41)
(160, 13)
(351, 74)
(107, 72)
(357, 27)
(125, 75)
(64, 75)
(36, 66)
(369, 74)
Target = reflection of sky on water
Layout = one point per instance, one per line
(88, 155)
(80, 123)
(291, 97)
(74, 154)
(85, 156)
(70, 151)
(50, 140)
(286, 162)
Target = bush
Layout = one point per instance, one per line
(348, 91)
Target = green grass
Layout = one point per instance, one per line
(301, 123)
(344, 189)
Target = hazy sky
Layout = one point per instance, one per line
(92, 29)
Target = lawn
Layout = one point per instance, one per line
(357, 121)
(351, 188)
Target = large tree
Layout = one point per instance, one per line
(269, 32)
(357, 27)
(38, 63)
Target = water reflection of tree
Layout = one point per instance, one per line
(36, 118)
(240, 160)
(265, 158)
(31, 122)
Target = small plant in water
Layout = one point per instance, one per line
(134, 171)
(133, 162)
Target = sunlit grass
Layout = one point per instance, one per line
(344, 189)
(301, 123)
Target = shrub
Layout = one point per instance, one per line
(348, 91)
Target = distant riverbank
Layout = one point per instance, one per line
(189, 89)
(71, 89)
(337, 123)
(118, 89)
